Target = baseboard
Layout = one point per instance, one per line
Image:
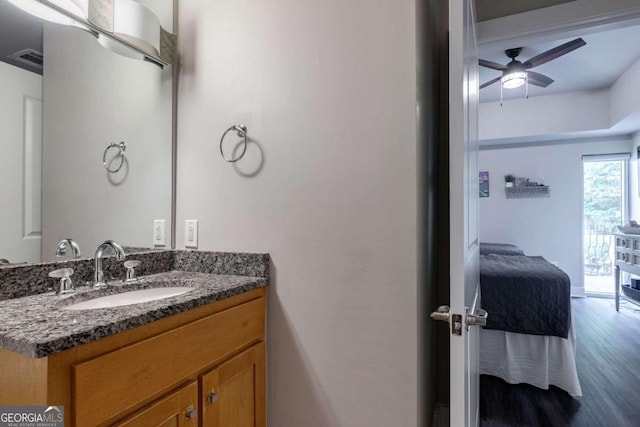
(577, 292)
(600, 295)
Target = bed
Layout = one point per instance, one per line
(529, 336)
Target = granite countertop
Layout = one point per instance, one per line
(38, 325)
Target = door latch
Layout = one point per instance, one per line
(455, 320)
(478, 318)
(441, 314)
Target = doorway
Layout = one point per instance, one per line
(605, 205)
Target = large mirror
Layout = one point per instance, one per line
(65, 99)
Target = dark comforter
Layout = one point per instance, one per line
(525, 294)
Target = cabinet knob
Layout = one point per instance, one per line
(191, 413)
(212, 398)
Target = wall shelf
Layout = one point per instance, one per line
(527, 192)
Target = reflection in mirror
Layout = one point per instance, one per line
(65, 99)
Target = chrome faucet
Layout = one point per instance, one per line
(61, 250)
(98, 278)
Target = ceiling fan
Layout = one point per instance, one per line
(516, 73)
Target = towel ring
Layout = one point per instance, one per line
(241, 131)
(122, 147)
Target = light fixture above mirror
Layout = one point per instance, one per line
(77, 8)
(125, 27)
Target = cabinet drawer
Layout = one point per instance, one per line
(175, 410)
(118, 381)
(624, 257)
(623, 242)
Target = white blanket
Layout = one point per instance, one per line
(538, 360)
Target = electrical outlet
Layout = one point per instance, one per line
(191, 233)
(158, 232)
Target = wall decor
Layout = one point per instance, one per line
(530, 192)
(483, 184)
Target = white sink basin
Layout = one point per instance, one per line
(129, 298)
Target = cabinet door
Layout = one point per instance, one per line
(179, 409)
(233, 394)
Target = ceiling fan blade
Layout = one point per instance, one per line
(489, 83)
(492, 65)
(538, 79)
(554, 53)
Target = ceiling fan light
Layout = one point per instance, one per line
(514, 79)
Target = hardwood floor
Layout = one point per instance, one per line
(608, 361)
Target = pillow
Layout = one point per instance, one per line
(499, 249)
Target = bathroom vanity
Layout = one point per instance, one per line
(195, 359)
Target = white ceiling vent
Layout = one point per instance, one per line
(29, 57)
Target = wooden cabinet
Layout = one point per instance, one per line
(137, 377)
(179, 409)
(233, 394)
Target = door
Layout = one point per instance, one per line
(463, 193)
(605, 204)
(233, 394)
(179, 409)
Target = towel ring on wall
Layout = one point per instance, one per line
(241, 131)
(122, 147)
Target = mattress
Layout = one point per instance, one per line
(525, 295)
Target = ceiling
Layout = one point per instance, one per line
(492, 9)
(18, 31)
(597, 65)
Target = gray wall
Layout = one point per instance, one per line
(328, 188)
(93, 97)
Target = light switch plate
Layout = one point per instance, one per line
(191, 233)
(158, 232)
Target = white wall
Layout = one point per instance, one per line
(551, 227)
(623, 99)
(93, 97)
(327, 90)
(525, 118)
(16, 85)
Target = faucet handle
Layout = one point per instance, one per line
(131, 273)
(65, 284)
